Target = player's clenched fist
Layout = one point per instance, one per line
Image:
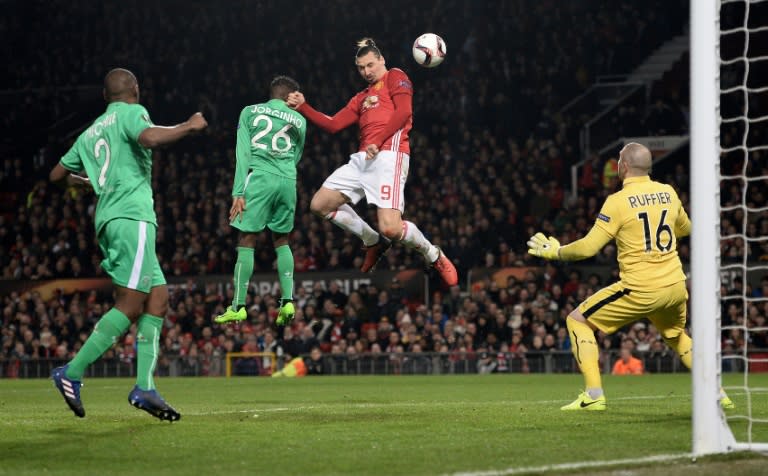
(197, 122)
(543, 247)
(295, 99)
(370, 151)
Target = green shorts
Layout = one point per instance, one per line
(270, 202)
(128, 247)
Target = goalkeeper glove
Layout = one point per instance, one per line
(543, 247)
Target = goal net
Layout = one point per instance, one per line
(729, 211)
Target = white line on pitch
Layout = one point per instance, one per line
(415, 404)
(579, 465)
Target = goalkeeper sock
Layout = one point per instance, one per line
(584, 347)
(285, 267)
(346, 218)
(243, 272)
(147, 349)
(683, 345)
(111, 326)
(413, 238)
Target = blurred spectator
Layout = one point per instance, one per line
(314, 362)
(627, 364)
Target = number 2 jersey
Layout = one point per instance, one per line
(270, 138)
(119, 168)
(645, 218)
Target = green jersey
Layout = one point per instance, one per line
(119, 168)
(270, 138)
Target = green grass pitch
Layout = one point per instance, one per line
(407, 425)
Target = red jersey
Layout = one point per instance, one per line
(374, 107)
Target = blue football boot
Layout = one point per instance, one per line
(69, 389)
(151, 402)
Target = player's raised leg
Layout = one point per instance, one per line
(333, 206)
(383, 181)
(393, 227)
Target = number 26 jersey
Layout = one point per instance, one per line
(270, 138)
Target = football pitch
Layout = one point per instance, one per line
(479, 425)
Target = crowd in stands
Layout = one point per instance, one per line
(490, 163)
(522, 321)
(487, 110)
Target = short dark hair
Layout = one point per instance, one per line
(365, 46)
(281, 86)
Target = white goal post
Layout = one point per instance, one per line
(711, 432)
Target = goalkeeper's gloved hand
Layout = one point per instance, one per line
(543, 247)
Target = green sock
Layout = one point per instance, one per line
(243, 272)
(285, 270)
(147, 349)
(111, 326)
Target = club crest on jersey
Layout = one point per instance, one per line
(370, 102)
(605, 218)
(378, 85)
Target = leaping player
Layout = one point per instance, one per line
(378, 171)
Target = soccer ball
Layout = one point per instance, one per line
(429, 50)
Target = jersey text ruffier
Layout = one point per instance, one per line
(645, 199)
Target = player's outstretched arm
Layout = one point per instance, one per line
(341, 120)
(549, 248)
(156, 136)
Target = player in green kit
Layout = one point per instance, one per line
(115, 154)
(270, 141)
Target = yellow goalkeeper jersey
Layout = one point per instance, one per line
(645, 218)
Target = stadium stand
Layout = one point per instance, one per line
(487, 111)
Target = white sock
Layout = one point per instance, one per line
(347, 218)
(414, 238)
(595, 393)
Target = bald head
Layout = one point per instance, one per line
(121, 85)
(637, 158)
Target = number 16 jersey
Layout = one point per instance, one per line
(646, 218)
(119, 168)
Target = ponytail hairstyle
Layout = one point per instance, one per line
(365, 46)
